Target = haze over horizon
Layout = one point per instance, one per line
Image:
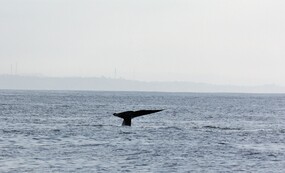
(208, 41)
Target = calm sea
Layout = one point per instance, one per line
(75, 131)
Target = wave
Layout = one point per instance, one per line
(95, 125)
(170, 128)
(11, 131)
(220, 128)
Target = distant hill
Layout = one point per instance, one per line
(108, 84)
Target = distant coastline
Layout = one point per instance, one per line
(17, 82)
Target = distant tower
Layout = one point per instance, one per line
(115, 73)
(11, 69)
(16, 69)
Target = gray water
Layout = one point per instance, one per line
(75, 131)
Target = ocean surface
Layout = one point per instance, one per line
(75, 131)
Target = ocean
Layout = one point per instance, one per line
(75, 131)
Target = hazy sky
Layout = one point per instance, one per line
(215, 41)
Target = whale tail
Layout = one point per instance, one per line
(129, 115)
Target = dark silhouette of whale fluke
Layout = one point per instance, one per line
(129, 115)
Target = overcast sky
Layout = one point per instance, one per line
(215, 41)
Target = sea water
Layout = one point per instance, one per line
(75, 131)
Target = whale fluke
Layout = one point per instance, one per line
(129, 115)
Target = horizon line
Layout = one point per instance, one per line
(137, 80)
